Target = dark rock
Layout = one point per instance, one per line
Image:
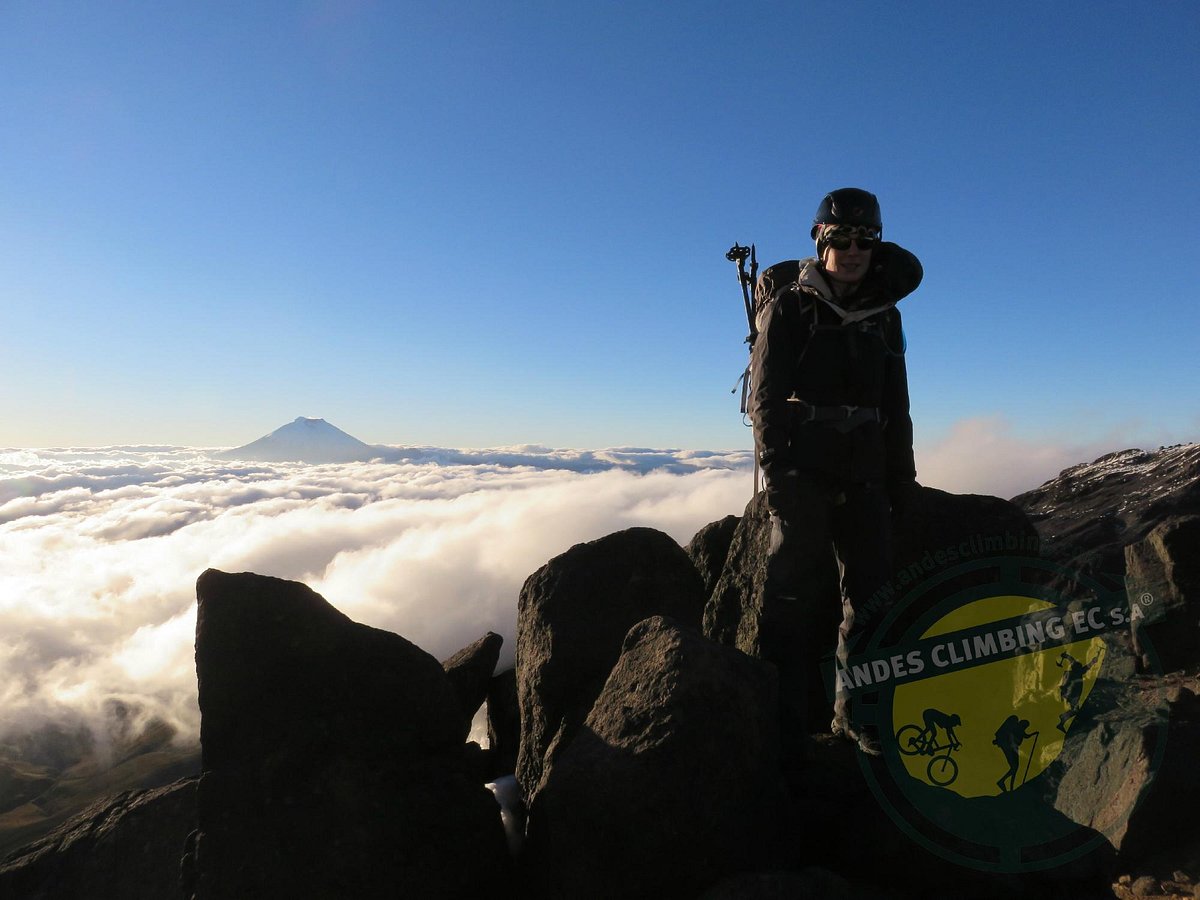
(938, 531)
(470, 670)
(942, 529)
(810, 882)
(332, 755)
(733, 614)
(1127, 769)
(125, 846)
(1145, 886)
(572, 616)
(512, 810)
(1159, 773)
(839, 824)
(941, 532)
(503, 723)
(477, 763)
(734, 609)
(1090, 512)
(672, 781)
(1164, 569)
(709, 548)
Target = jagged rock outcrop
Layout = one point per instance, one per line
(503, 723)
(709, 548)
(470, 671)
(1164, 568)
(124, 846)
(332, 754)
(1089, 513)
(671, 783)
(572, 616)
(732, 613)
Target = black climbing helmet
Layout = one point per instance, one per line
(848, 206)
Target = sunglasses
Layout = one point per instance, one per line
(843, 242)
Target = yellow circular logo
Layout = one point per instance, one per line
(984, 685)
(986, 730)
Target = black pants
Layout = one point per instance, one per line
(849, 523)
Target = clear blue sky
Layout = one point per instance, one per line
(473, 224)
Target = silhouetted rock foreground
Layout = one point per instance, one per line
(127, 846)
(334, 762)
(333, 756)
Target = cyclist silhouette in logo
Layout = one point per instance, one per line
(1070, 689)
(935, 718)
(1009, 737)
(914, 740)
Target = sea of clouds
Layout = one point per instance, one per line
(101, 548)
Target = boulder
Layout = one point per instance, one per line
(1142, 761)
(941, 529)
(672, 782)
(709, 548)
(470, 671)
(734, 609)
(128, 845)
(572, 616)
(503, 723)
(332, 756)
(1164, 568)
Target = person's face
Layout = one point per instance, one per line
(848, 265)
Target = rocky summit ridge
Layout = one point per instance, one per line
(635, 749)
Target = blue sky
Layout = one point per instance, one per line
(477, 224)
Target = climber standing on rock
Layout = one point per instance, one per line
(834, 439)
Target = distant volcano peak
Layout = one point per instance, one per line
(307, 440)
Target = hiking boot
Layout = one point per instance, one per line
(864, 737)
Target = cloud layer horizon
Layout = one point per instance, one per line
(101, 547)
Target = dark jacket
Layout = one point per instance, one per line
(827, 352)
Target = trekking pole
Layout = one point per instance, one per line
(1032, 750)
(739, 254)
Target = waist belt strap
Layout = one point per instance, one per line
(844, 418)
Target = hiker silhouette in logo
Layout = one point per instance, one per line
(1070, 689)
(1009, 736)
(934, 719)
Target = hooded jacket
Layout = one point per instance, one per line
(828, 351)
